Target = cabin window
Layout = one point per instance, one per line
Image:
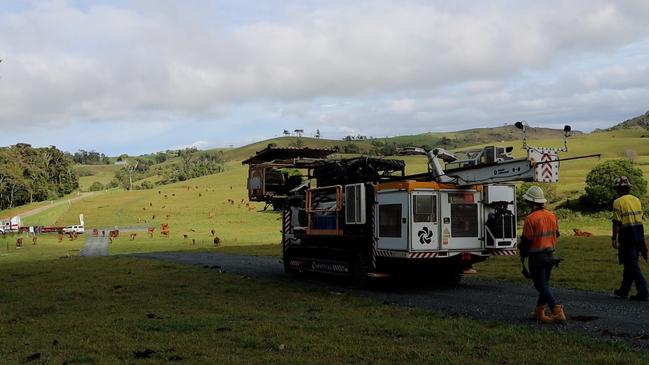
(425, 208)
(390, 220)
(464, 220)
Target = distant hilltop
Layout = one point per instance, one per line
(641, 121)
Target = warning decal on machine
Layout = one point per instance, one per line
(547, 164)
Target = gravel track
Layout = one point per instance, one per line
(593, 313)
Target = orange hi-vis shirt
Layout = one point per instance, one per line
(542, 228)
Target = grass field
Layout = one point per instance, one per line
(120, 310)
(101, 173)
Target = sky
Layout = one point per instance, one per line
(149, 75)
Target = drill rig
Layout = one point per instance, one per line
(363, 217)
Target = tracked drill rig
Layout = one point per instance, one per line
(363, 217)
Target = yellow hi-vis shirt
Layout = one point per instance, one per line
(627, 210)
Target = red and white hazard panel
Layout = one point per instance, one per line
(547, 164)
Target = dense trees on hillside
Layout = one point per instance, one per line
(30, 174)
(191, 164)
(90, 158)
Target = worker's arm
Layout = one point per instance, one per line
(617, 223)
(526, 241)
(616, 230)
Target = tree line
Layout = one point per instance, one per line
(29, 174)
(191, 164)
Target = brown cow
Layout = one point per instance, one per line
(132, 236)
(19, 242)
(34, 240)
(164, 229)
(217, 241)
(151, 229)
(580, 233)
(95, 232)
(60, 237)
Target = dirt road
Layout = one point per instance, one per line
(593, 313)
(34, 211)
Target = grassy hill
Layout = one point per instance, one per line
(641, 121)
(88, 174)
(459, 139)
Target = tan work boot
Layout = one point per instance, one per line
(539, 314)
(557, 315)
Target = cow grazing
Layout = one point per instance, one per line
(164, 233)
(217, 241)
(580, 233)
(132, 236)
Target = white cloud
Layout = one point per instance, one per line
(372, 66)
(201, 145)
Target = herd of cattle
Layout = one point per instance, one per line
(113, 234)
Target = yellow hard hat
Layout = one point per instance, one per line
(535, 195)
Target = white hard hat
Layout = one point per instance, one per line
(535, 195)
(621, 182)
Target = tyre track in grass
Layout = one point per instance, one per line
(595, 314)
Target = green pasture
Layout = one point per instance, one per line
(192, 208)
(101, 173)
(48, 217)
(47, 248)
(122, 310)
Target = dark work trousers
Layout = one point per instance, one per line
(632, 273)
(540, 267)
